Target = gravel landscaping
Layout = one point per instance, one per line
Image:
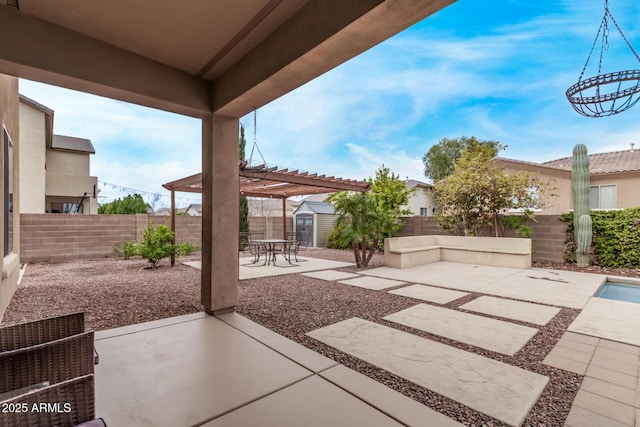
(115, 292)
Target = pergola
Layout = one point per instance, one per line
(271, 183)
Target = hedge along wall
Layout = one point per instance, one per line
(549, 234)
(58, 237)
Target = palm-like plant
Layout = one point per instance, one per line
(363, 222)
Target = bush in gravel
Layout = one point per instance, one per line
(156, 244)
(615, 238)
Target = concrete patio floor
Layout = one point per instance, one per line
(229, 371)
(282, 267)
(200, 370)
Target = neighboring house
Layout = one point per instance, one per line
(54, 169)
(317, 219)
(422, 200)
(615, 179)
(194, 210)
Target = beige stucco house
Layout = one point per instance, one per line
(615, 178)
(54, 169)
(422, 200)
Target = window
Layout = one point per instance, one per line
(602, 197)
(7, 170)
(423, 211)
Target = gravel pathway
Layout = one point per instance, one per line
(115, 293)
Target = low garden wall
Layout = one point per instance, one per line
(549, 234)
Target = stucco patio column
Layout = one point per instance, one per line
(220, 213)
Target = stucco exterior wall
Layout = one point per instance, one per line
(67, 180)
(627, 187)
(32, 160)
(67, 163)
(421, 199)
(10, 262)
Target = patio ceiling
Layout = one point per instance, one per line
(271, 182)
(198, 56)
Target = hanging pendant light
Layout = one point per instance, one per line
(610, 93)
(249, 169)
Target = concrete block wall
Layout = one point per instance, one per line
(57, 237)
(548, 234)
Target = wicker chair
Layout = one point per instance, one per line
(40, 331)
(73, 403)
(46, 362)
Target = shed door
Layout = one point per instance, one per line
(304, 225)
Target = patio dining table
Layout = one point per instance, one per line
(271, 245)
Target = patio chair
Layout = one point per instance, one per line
(256, 249)
(65, 404)
(48, 361)
(300, 241)
(51, 362)
(40, 331)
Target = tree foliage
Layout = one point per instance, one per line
(474, 195)
(129, 205)
(362, 223)
(440, 160)
(365, 219)
(156, 244)
(391, 192)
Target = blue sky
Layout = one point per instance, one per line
(497, 72)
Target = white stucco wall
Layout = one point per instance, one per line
(421, 199)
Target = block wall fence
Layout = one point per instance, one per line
(57, 237)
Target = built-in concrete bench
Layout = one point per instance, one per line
(404, 252)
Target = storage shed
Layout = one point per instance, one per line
(317, 219)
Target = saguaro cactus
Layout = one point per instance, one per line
(583, 240)
(580, 180)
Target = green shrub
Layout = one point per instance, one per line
(333, 238)
(156, 244)
(616, 238)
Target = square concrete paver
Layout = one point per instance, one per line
(398, 406)
(452, 275)
(330, 275)
(579, 417)
(312, 402)
(490, 334)
(609, 319)
(429, 293)
(609, 408)
(517, 310)
(494, 388)
(373, 283)
(562, 288)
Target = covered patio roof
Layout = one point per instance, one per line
(271, 182)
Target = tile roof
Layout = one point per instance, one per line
(615, 161)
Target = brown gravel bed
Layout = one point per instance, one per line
(116, 293)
